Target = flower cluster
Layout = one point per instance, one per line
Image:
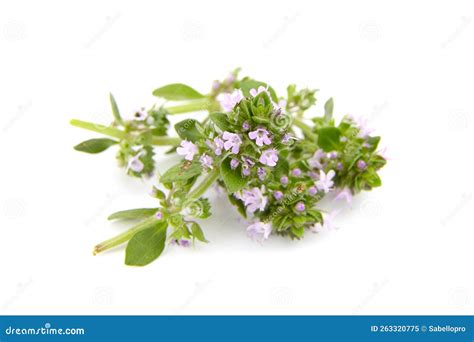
(274, 166)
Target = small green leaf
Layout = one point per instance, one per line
(220, 120)
(298, 232)
(197, 232)
(181, 172)
(115, 110)
(189, 129)
(177, 92)
(95, 145)
(373, 142)
(248, 84)
(282, 168)
(328, 109)
(233, 179)
(146, 245)
(329, 138)
(133, 214)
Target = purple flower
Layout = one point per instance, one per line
(332, 155)
(135, 164)
(361, 165)
(184, 243)
(232, 141)
(325, 180)
(344, 194)
(159, 215)
(254, 92)
(187, 149)
(219, 145)
(296, 172)
(269, 157)
(313, 175)
(343, 139)
(245, 126)
(245, 170)
(141, 114)
(328, 222)
(339, 166)
(315, 160)
(259, 231)
(230, 79)
(260, 135)
(284, 180)
(288, 138)
(278, 195)
(206, 161)
(234, 163)
(216, 85)
(261, 173)
(228, 101)
(300, 206)
(364, 131)
(254, 200)
(312, 191)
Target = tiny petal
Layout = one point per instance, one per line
(300, 206)
(361, 165)
(278, 195)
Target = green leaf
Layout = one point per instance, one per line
(181, 172)
(298, 232)
(373, 142)
(329, 138)
(328, 109)
(133, 214)
(146, 245)
(282, 168)
(220, 120)
(197, 232)
(95, 145)
(233, 179)
(189, 129)
(177, 92)
(115, 109)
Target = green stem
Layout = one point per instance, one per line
(110, 131)
(192, 106)
(306, 129)
(203, 186)
(119, 134)
(127, 235)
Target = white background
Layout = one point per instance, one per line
(405, 248)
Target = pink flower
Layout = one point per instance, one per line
(364, 131)
(228, 101)
(325, 180)
(259, 231)
(135, 164)
(232, 141)
(254, 92)
(253, 200)
(269, 157)
(328, 222)
(187, 149)
(260, 135)
(344, 194)
(206, 161)
(315, 160)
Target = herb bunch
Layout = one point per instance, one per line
(273, 165)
